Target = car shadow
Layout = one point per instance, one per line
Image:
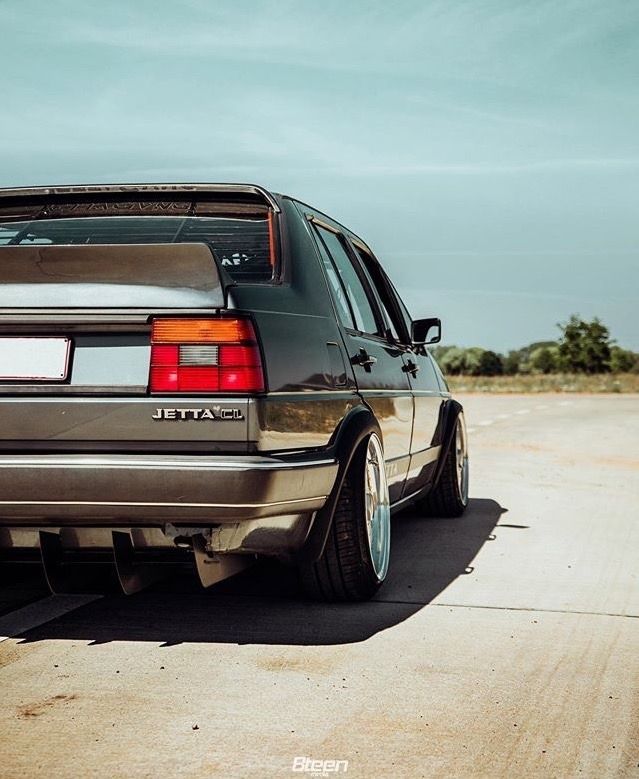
(264, 605)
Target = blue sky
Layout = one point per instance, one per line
(488, 151)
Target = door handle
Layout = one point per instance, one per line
(410, 367)
(364, 359)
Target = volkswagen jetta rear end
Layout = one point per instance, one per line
(130, 384)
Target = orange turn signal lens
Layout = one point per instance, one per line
(201, 331)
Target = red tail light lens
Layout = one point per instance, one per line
(205, 355)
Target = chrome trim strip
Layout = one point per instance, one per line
(399, 457)
(334, 394)
(405, 500)
(426, 455)
(406, 393)
(435, 450)
(422, 458)
(53, 391)
(163, 505)
(188, 463)
(373, 392)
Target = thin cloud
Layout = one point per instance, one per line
(483, 169)
(447, 123)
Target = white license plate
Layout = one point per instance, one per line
(34, 359)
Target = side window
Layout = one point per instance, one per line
(391, 324)
(339, 294)
(357, 298)
(393, 307)
(408, 320)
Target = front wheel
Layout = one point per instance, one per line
(355, 559)
(449, 497)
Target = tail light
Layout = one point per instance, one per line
(205, 355)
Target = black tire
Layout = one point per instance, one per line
(448, 498)
(345, 571)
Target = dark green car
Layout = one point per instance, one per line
(213, 372)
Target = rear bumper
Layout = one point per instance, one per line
(151, 491)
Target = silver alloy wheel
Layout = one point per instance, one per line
(461, 458)
(377, 507)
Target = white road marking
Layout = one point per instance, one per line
(485, 422)
(503, 416)
(565, 402)
(470, 430)
(40, 612)
(523, 411)
(541, 408)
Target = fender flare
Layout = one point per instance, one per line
(445, 434)
(354, 429)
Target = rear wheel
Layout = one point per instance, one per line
(355, 559)
(449, 497)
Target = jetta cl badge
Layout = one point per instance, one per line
(184, 414)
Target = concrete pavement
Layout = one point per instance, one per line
(503, 644)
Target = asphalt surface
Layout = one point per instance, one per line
(503, 644)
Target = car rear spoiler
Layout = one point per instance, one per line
(151, 276)
(101, 199)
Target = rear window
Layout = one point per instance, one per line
(242, 245)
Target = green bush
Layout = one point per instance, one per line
(453, 361)
(544, 359)
(623, 360)
(472, 361)
(584, 347)
(490, 364)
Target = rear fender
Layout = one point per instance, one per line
(445, 434)
(353, 430)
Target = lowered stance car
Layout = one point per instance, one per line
(210, 372)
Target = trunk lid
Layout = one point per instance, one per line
(148, 276)
(103, 298)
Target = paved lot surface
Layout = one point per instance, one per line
(504, 644)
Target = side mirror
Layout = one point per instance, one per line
(426, 331)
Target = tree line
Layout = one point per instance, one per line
(582, 347)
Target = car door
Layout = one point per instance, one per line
(420, 369)
(377, 361)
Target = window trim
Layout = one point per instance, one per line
(342, 308)
(388, 291)
(369, 291)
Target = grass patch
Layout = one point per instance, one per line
(552, 382)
